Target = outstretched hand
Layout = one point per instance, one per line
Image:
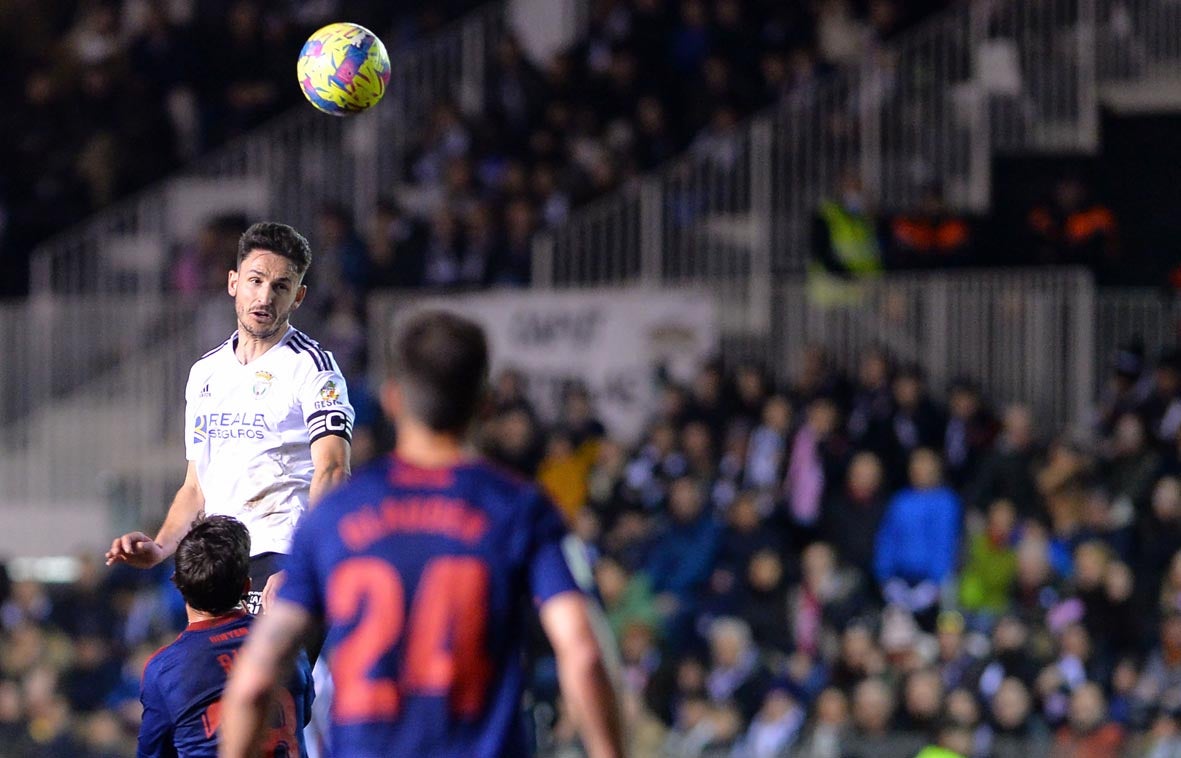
(135, 549)
(271, 590)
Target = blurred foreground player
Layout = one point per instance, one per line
(422, 567)
(268, 423)
(183, 683)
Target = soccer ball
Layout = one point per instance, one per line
(343, 69)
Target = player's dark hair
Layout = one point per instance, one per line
(440, 361)
(279, 239)
(213, 564)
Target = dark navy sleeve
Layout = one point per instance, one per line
(156, 729)
(549, 573)
(302, 586)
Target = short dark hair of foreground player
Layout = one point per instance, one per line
(182, 683)
(440, 364)
(213, 565)
(422, 568)
(280, 239)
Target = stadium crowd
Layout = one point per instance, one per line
(135, 88)
(849, 566)
(114, 94)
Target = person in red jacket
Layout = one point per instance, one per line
(1071, 228)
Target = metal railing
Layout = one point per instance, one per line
(1023, 335)
(286, 169)
(108, 454)
(106, 451)
(931, 108)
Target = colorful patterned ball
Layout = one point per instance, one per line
(343, 69)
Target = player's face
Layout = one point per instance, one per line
(266, 289)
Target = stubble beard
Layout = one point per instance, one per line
(280, 323)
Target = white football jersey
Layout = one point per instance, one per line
(249, 429)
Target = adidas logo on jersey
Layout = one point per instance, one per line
(205, 391)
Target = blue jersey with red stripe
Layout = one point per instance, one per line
(424, 579)
(182, 687)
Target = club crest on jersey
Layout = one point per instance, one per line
(329, 395)
(262, 382)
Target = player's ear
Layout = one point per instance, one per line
(232, 283)
(300, 294)
(391, 398)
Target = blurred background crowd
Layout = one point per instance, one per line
(854, 565)
(133, 90)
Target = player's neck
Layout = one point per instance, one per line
(250, 347)
(420, 446)
(196, 617)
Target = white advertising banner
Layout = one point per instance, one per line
(613, 341)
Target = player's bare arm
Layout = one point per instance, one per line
(330, 459)
(139, 550)
(265, 660)
(585, 685)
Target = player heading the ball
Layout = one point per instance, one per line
(268, 422)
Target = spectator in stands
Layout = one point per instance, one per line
(443, 266)
(1161, 409)
(931, 237)
(1071, 228)
(514, 440)
(1127, 386)
(1160, 681)
(918, 539)
(922, 704)
(818, 456)
(579, 419)
(917, 421)
(970, 431)
(396, 249)
(1089, 733)
(737, 674)
(1014, 724)
(990, 570)
(859, 657)
(764, 603)
(872, 406)
(516, 261)
(1008, 471)
(240, 87)
(872, 736)
(827, 598)
(1159, 534)
(1164, 738)
(852, 516)
(683, 556)
(344, 253)
(626, 598)
(1037, 587)
(201, 265)
(776, 726)
(766, 458)
(818, 377)
(563, 473)
(845, 247)
(707, 402)
(958, 666)
(1132, 467)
